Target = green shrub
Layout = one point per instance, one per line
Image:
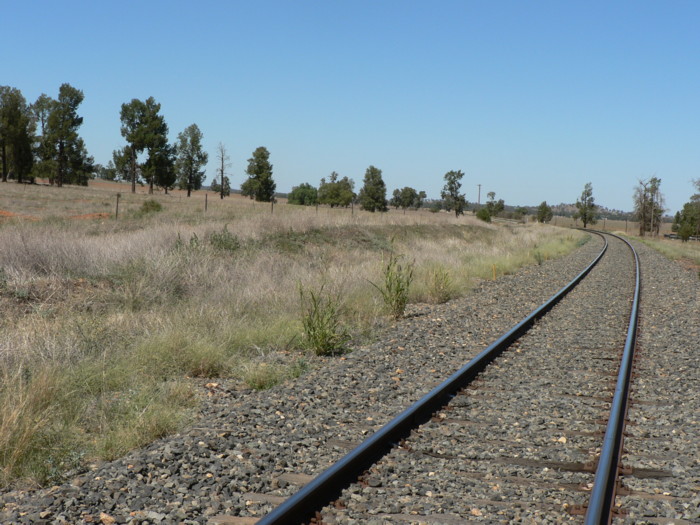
(397, 281)
(323, 331)
(484, 215)
(224, 241)
(150, 206)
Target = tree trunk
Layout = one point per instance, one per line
(4, 162)
(61, 163)
(133, 171)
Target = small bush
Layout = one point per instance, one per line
(224, 241)
(323, 331)
(150, 206)
(484, 215)
(397, 281)
(539, 257)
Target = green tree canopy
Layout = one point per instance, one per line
(493, 206)
(586, 207)
(159, 168)
(407, 197)
(143, 128)
(544, 212)
(191, 158)
(16, 134)
(304, 194)
(259, 185)
(372, 195)
(452, 198)
(687, 221)
(648, 205)
(335, 191)
(67, 148)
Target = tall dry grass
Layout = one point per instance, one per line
(103, 321)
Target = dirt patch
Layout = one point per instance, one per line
(4, 214)
(88, 216)
(689, 264)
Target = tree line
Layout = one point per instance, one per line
(42, 140)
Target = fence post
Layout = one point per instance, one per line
(116, 212)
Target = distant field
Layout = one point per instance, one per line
(627, 227)
(110, 328)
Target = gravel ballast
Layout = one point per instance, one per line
(249, 450)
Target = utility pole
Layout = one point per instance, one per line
(478, 202)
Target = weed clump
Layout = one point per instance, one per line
(150, 206)
(323, 331)
(441, 287)
(224, 241)
(397, 281)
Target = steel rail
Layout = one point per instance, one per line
(327, 486)
(602, 499)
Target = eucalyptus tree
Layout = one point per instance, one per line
(41, 109)
(224, 189)
(648, 205)
(586, 206)
(451, 196)
(191, 158)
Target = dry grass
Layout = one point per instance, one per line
(105, 320)
(686, 253)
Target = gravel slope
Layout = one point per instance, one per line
(663, 443)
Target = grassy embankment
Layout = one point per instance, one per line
(105, 325)
(685, 253)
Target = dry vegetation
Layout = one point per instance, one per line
(106, 322)
(686, 253)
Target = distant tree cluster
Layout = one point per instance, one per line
(407, 197)
(336, 192)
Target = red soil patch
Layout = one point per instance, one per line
(10, 215)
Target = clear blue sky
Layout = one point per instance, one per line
(529, 99)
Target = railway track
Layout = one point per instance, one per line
(521, 441)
